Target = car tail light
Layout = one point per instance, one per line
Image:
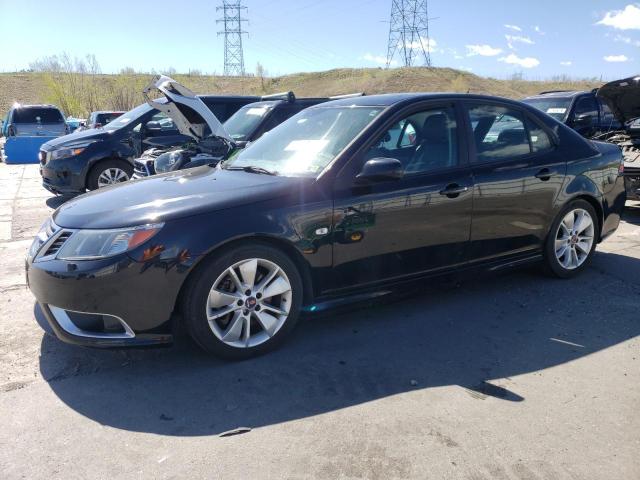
(621, 168)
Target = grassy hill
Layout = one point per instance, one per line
(77, 94)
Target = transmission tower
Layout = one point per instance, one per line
(409, 32)
(232, 20)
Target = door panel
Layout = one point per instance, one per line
(409, 226)
(401, 228)
(517, 175)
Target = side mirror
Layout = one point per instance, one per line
(153, 126)
(583, 120)
(380, 170)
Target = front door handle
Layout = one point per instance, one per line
(544, 174)
(453, 190)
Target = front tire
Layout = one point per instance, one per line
(572, 240)
(243, 302)
(109, 172)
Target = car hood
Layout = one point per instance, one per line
(75, 137)
(169, 196)
(622, 97)
(188, 112)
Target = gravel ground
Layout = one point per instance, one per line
(514, 376)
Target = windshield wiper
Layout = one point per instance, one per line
(252, 169)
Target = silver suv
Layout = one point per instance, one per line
(34, 121)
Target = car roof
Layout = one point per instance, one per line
(297, 101)
(36, 105)
(108, 111)
(389, 99)
(559, 94)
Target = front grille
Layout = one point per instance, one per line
(143, 167)
(56, 245)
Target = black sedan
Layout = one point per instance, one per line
(343, 200)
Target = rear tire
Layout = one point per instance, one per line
(243, 301)
(109, 172)
(572, 240)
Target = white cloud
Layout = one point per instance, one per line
(616, 58)
(627, 40)
(428, 44)
(538, 30)
(526, 62)
(511, 39)
(627, 19)
(379, 59)
(482, 50)
(512, 27)
(567, 63)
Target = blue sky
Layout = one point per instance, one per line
(580, 38)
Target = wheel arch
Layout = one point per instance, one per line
(91, 166)
(593, 201)
(281, 244)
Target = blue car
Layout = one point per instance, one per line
(27, 127)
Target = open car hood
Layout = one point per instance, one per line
(190, 115)
(623, 98)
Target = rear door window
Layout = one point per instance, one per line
(502, 133)
(37, 115)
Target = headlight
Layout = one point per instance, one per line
(70, 150)
(96, 244)
(166, 162)
(46, 230)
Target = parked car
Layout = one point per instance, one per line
(623, 98)
(34, 121)
(581, 110)
(324, 208)
(245, 126)
(94, 158)
(74, 123)
(27, 127)
(100, 118)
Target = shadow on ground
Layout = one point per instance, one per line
(453, 334)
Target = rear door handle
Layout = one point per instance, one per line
(453, 190)
(544, 174)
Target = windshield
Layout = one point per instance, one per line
(306, 143)
(104, 118)
(244, 122)
(129, 117)
(556, 107)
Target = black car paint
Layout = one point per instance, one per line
(380, 235)
(69, 175)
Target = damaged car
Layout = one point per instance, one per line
(245, 126)
(623, 98)
(95, 158)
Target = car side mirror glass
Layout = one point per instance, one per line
(380, 170)
(583, 120)
(153, 126)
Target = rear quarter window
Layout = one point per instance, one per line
(37, 115)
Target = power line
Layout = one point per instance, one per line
(232, 20)
(409, 32)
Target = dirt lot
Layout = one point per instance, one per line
(516, 376)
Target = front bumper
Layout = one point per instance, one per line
(113, 302)
(66, 330)
(66, 176)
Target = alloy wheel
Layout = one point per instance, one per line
(111, 176)
(574, 238)
(249, 303)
